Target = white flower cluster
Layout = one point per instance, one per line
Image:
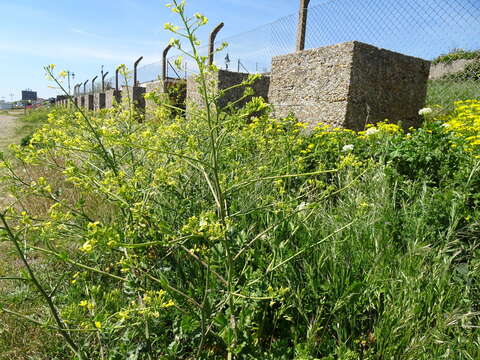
(347, 148)
(371, 131)
(425, 111)
(302, 206)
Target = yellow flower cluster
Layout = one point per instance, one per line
(205, 226)
(464, 126)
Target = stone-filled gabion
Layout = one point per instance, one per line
(112, 97)
(349, 85)
(158, 87)
(98, 101)
(89, 102)
(222, 80)
(136, 95)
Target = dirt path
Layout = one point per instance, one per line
(8, 130)
(8, 127)
(8, 135)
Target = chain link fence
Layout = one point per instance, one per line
(426, 29)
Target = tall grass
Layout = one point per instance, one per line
(444, 93)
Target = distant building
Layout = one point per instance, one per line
(29, 95)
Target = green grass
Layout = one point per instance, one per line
(445, 92)
(20, 339)
(31, 121)
(21, 125)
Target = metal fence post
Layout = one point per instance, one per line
(164, 67)
(211, 45)
(93, 83)
(85, 87)
(302, 24)
(103, 81)
(164, 62)
(135, 66)
(116, 78)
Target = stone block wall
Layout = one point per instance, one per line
(439, 70)
(177, 97)
(224, 79)
(89, 102)
(136, 94)
(83, 101)
(386, 85)
(112, 97)
(98, 101)
(155, 87)
(61, 101)
(349, 85)
(345, 85)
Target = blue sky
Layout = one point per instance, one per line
(34, 33)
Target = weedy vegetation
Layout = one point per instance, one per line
(457, 54)
(225, 233)
(31, 122)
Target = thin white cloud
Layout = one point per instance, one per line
(85, 33)
(111, 40)
(64, 51)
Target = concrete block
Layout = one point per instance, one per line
(349, 85)
(222, 80)
(438, 71)
(136, 95)
(157, 87)
(89, 102)
(98, 101)
(112, 97)
(61, 101)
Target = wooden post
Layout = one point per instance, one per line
(302, 24)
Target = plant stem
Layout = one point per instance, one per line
(61, 327)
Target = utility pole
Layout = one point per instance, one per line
(227, 61)
(302, 24)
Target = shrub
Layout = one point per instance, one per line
(457, 54)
